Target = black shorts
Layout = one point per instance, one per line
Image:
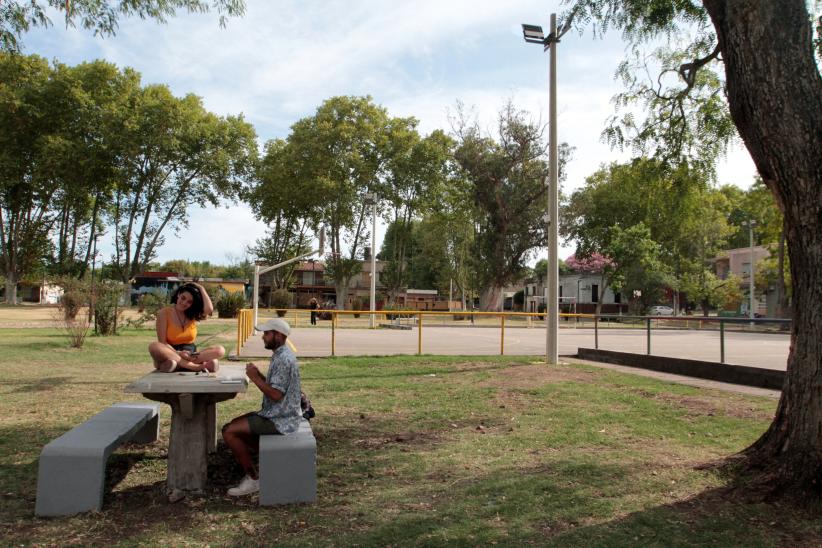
(188, 346)
(260, 426)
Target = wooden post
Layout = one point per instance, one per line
(419, 333)
(502, 335)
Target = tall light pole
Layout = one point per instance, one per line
(372, 323)
(751, 282)
(533, 34)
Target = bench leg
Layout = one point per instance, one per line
(69, 485)
(150, 431)
(288, 471)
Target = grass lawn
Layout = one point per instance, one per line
(411, 451)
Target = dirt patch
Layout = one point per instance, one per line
(706, 406)
(531, 376)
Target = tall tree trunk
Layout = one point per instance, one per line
(775, 98)
(11, 287)
(491, 299)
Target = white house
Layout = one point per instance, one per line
(578, 293)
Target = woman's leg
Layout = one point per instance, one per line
(166, 359)
(209, 357)
(164, 356)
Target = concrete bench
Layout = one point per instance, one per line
(72, 469)
(288, 467)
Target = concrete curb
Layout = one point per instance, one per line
(733, 374)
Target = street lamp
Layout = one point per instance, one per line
(533, 34)
(751, 282)
(372, 198)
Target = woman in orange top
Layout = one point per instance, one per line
(174, 349)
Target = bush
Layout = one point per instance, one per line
(281, 299)
(107, 308)
(149, 305)
(76, 330)
(228, 305)
(76, 295)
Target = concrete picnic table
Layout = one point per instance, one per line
(193, 398)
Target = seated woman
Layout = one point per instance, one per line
(174, 349)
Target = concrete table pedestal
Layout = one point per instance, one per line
(193, 400)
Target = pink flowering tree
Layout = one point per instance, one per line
(595, 263)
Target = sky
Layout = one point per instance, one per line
(280, 61)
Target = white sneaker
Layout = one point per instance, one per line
(246, 487)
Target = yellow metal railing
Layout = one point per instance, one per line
(245, 321)
(245, 327)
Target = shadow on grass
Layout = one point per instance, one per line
(37, 385)
(367, 497)
(51, 383)
(573, 503)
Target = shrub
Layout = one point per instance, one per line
(107, 308)
(76, 330)
(228, 305)
(149, 304)
(75, 296)
(281, 299)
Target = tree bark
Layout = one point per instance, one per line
(775, 98)
(11, 287)
(491, 299)
(781, 289)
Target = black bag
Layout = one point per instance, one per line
(306, 408)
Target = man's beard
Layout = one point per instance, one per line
(273, 345)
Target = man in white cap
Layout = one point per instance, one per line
(280, 413)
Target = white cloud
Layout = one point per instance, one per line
(282, 59)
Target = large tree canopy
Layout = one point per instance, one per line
(506, 173)
(771, 81)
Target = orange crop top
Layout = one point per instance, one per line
(177, 335)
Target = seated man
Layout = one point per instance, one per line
(280, 413)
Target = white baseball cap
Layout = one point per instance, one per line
(277, 324)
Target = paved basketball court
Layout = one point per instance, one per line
(766, 350)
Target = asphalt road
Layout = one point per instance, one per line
(766, 350)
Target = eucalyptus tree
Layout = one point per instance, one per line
(506, 173)
(769, 87)
(285, 203)
(416, 168)
(445, 238)
(85, 155)
(99, 16)
(27, 187)
(173, 155)
(339, 153)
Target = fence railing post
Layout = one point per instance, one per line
(419, 333)
(648, 329)
(721, 341)
(333, 333)
(596, 332)
(240, 330)
(502, 335)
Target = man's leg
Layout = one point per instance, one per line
(239, 438)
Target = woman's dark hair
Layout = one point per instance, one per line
(195, 311)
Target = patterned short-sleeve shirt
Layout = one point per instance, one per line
(284, 375)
